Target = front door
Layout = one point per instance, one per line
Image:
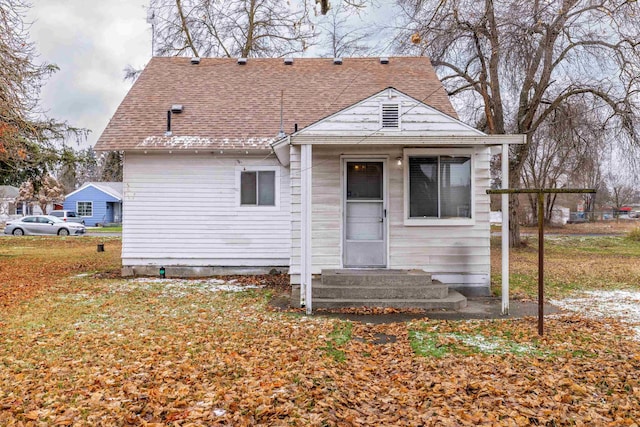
(365, 222)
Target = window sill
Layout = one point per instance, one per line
(257, 208)
(421, 222)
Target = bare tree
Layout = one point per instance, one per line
(110, 166)
(514, 63)
(567, 146)
(230, 28)
(343, 39)
(26, 135)
(622, 190)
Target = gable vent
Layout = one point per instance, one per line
(390, 116)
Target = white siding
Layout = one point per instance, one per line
(294, 266)
(415, 118)
(434, 248)
(182, 209)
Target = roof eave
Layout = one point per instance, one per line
(410, 140)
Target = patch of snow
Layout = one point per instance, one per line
(182, 287)
(188, 141)
(493, 345)
(81, 275)
(219, 412)
(620, 305)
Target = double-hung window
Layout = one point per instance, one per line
(438, 188)
(258, 187)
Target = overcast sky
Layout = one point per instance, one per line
(91, 42)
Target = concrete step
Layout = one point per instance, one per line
(424, 291)
(375, 277)
(453, 301)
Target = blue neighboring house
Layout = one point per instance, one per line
(97, 203)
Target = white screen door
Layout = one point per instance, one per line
(365, 215)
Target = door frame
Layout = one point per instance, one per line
(384, 159)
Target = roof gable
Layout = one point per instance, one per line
(8, 192)
(414, 117)
(113, 189)
(227, 105)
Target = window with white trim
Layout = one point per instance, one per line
(439, 187)
(84, 208)
(258, 187)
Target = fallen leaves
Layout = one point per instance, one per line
(31, 265)
(191, 353)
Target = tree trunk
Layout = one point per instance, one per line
(514, 225)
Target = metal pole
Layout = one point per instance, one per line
(540, 263)
(505, 230)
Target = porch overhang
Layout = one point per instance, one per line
(407, 140)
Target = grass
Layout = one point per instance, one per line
(634, 235)
(438, 345)
(340, 336)
(110, 229)
(572, 264)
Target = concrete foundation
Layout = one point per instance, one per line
(191, 271)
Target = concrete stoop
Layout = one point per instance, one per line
(381, 288)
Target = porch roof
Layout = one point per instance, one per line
(408, 140)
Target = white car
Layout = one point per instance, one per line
(43, 224)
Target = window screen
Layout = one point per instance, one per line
(258, 188)
(439, 187)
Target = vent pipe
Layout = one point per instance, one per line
(195, 60)
(281, 133)
(337, 61)
(384, 60)
(288, 61)
(242, 61)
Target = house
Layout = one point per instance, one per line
(317, 167)
(8, 206)
(96, 202)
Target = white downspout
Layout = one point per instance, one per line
(305, 227)
(505, 230)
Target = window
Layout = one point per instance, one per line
(84, 208)
(438, 188)
(258, 188)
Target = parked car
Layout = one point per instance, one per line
(43, 224)
(67, 216)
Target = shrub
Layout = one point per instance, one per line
(634, 234)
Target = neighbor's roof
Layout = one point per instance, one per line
(113, 189)
(8, 192)
(227, 105)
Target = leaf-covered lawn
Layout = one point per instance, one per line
(572, 264)
(108, 351)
